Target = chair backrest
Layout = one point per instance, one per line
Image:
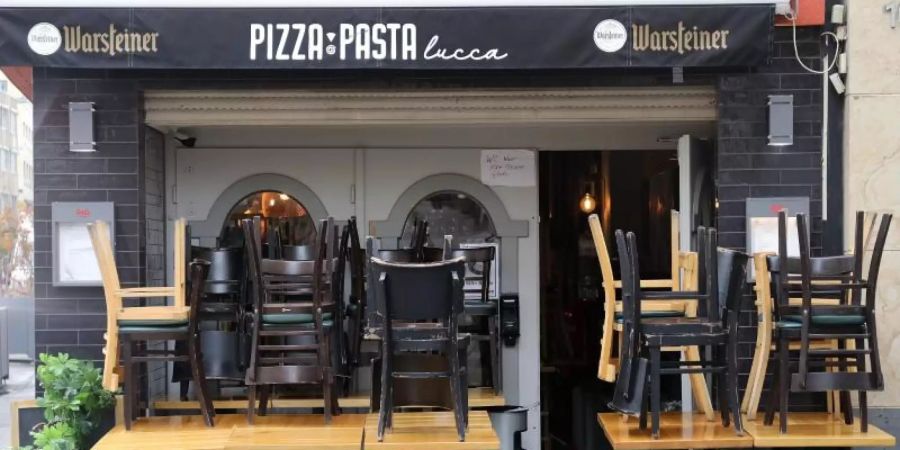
(606, 269)
(707, 274)
(860, 247)
(106, 260)
(419, 291)
(180, 262)
(298, 252)
(402, 255)
(472, 256)
(732, 272)
(199, 270)
(226, 269)
(289, 278)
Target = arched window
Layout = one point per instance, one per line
(454, 213)
(277, 209)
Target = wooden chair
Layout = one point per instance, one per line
(416, 327)
(765, 305)
(644, 338)
(135, 333)
(115, 295)
(684, 276)
(293, 321)
(850, 321)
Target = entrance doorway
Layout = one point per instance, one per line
(632, 190)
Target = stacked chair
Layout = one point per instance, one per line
(294, 320)
(416, 326)
(683, 276)
(127, 326)
(722, 279)
(851, 365)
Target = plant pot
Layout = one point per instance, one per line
(30, 415)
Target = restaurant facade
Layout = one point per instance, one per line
(371, 111)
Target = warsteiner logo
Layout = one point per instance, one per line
(111, 41)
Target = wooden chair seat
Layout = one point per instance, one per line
(680, 325)
(294, 318)
(150, 314)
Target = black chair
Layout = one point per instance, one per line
(420, 304)
(292, 322)
(133, 334)
(480, 259)
(644, 338)
(850, 320)
(352, 256)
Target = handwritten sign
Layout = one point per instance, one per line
(508, 168)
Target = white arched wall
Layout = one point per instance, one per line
(367, 183)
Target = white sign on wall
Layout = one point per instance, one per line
(508, 168)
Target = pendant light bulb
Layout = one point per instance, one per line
(587, 204)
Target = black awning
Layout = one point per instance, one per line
(389, 38)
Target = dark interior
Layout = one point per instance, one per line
(634, 190)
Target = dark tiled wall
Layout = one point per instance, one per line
(153, 229)
(748, 167)
(72, 319)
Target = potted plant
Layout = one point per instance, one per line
(77, 409)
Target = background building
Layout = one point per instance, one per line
(872, 165)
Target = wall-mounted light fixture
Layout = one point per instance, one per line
(81, 127)
(587, 204)
(781, 120)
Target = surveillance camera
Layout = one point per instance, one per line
(837, 83)
(185, 140)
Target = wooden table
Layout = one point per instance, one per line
(478, 398)
(677, 431)
(817, 430)
(431, 431)
(284, 432)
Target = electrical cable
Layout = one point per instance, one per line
(792, 16)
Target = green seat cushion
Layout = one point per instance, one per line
(787, 324)
(825, 319)
(292, 319)
(152, 323)
(651, 315)
(146, 326)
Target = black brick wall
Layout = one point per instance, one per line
(72, 319)
(748, 167)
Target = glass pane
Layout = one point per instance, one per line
(277, 210)
(451, 213)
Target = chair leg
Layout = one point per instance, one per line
(784, 376)
(196, 363)
(655, 390)
(251, 403)
(386, 379)
(496, 364)
(846, 407)
(328, 377)
(734, 402)
(457, 393)
(264, 392)
(863, 411)
(722, 383)
(645, 412)
(774, 386)
(129, 384)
